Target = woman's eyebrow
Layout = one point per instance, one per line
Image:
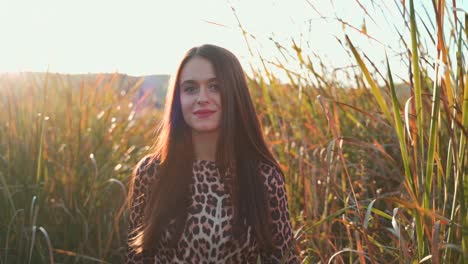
(195, 82)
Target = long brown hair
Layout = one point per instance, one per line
(240, 146)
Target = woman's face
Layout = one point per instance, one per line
(200, 95)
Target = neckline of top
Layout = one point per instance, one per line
(204, 160)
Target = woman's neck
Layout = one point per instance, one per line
(204, 145)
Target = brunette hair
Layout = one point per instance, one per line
(241, 147)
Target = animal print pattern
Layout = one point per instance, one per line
(207, 237)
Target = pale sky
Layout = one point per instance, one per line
(149, 37)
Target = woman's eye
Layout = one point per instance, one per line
(189, 89)
(215, 87)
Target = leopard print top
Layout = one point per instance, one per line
(207, 234)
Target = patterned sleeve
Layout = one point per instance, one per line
(138, 202)
(284, 249)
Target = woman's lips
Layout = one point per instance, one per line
(204, 114)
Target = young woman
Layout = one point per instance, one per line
(211, 190)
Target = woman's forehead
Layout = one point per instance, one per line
(197, 69)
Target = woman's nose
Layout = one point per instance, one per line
(203, 94)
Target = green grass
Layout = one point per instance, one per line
(67, 149)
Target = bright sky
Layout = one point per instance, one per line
(149, 37)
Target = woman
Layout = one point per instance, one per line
(211, 191)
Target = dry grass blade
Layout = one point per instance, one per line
(49, 244)
(375, 89)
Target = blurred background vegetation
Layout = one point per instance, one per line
(376, 170)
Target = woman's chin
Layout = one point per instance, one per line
(202, 130)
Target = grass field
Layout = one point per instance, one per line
(374, 173)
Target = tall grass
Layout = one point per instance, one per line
(67, 146)
(374, 174)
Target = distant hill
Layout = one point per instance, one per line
(403, 92)
(155, 85)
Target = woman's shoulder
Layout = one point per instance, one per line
(271, 173)
(146, 167)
